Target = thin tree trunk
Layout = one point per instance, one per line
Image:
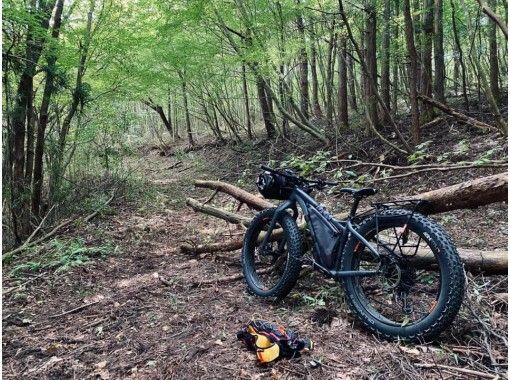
(315, 82)
(413, 71)
(396, 60)
(439, 68)
(264, 106)
(246, 103)
(191, 141)
(343, 115)
(427, 112)
(493, 58)
(460, 55)
(352, 83)
(330, 63)
(303, 67)
(385, 67)
(29, 163)
(371, 54)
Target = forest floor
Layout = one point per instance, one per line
(140, 311)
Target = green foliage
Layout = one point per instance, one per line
(487, 156)
(63, 255)
(308, 165)
(421, 153)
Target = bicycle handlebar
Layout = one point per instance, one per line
(319, 182)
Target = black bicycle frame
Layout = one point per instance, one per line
(301, 198)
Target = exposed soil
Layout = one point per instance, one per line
(144, 313)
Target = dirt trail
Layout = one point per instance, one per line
(143, 316)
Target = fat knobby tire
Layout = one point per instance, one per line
(294, 252)
(452, 279)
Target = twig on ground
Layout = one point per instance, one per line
(23, 284)
(458, 369)
(89, 217)
(73, 310)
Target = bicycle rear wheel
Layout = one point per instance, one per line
(272, 270)
(421, 286)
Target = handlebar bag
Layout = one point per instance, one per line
(274, 186)
(327, 236)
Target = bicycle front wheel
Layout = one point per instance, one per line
(421, 286)
(271, 270)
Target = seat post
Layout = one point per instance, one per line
(354, 206)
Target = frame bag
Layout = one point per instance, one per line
(327, 237)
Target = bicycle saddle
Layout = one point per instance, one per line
(358, 193)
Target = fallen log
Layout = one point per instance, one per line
(217, 212)
(241, 195)
(488, 262)
(228, 246)
(457, 115)
(466, 195)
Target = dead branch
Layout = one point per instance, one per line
(74, 310)
(236, 192)
(213, 247)
(439, 169)
(217, 212)
(357, 163)
(457, 369)
(494, 17)
(457, 115)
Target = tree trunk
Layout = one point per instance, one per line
(315, 82)
(460, 55)
(493, 59)
(427, 113)
(413, 71)
(439, 68)
(303, 67)
(396, 60)
(385, 66)
(343, 115)
(167, 121)
(20, 204)
(352, 83)
(371, 54)
(29, 163)
(264, 106)
(191, 141)
(246, 103)
(38, 177)
(328, 81)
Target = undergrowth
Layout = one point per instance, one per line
(61, 255)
